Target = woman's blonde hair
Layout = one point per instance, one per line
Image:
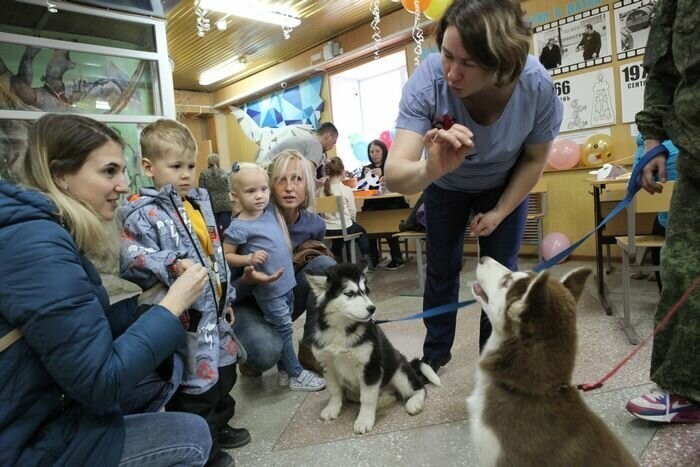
(60, 144)
(277, 170)
(494, 34)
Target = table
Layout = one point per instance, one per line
(384, 221)
(607, 193)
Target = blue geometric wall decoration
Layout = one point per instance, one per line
(298, 105)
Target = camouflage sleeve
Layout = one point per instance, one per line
(143, 261)
(662, 76)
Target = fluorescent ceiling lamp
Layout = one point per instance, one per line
(251, 10)
(221, 71)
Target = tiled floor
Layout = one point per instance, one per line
(286, 428)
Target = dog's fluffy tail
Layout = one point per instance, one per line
(424, 369)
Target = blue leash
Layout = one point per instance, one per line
(633, 186)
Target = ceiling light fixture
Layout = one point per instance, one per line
(253, 10)
(222, 70)
(222, 24)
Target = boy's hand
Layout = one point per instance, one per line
(186, 289)
(228, 315)
(257, 258)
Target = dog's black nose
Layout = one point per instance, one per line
(371, 309)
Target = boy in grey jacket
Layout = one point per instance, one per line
(165, 228)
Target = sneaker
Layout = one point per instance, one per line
(282, 378)
(394, 264)
(662, 406)
(307, 359)
(307, 381)
(231, 438)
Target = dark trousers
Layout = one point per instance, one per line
(216, 405)
(337, 245)
(394, 248)
(447, 214)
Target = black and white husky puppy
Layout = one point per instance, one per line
(359, 363)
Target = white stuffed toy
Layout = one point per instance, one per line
(370, 181)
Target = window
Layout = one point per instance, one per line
(365, 103)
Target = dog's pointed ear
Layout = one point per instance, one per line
(318, 284)
(575, 281)
(531, 298)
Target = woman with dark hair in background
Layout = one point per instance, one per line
(378, 152)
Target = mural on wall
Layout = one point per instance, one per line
(575, 42)
(588, 98)
(17, 140)
(632, 23)
(48, 80)
(290, 112)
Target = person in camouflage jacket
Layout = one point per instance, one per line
(672, 111)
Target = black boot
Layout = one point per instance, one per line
(230, 438)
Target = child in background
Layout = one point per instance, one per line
(166, 228)
(256, 238)
(335, 170)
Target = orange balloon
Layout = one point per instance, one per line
(410, 4)
(597, 150)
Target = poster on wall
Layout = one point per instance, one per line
(588, 98)
(575, 42)
(632, 22)
(633, 78)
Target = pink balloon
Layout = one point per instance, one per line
(385, 137)
(565, 154)
(553, 244)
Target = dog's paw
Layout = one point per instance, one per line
(363, 424)
(414, 405)
(331, 412)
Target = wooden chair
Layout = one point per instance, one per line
(335, 205)
(643, 202)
